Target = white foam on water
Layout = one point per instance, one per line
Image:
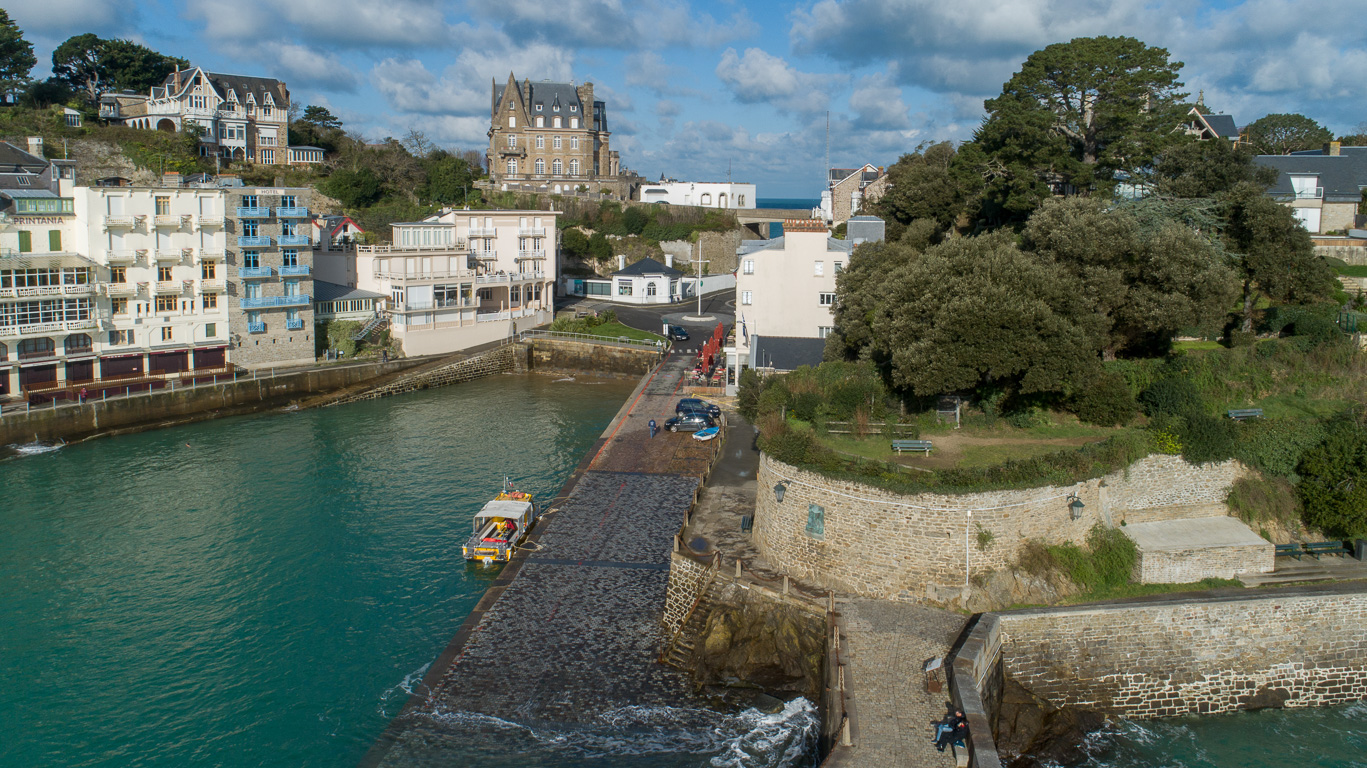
(35, 448)
(406, 685)
(567, 378)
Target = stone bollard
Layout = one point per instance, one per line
(785, 584)
(737, 568)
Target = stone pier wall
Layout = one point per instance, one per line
(858, 539)
(568, 355)
(688, 580)
(501, 360)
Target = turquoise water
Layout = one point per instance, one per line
(258, 591)
(1329, 737)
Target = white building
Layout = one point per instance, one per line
(704, 194)
(463, 278)
(785, 294)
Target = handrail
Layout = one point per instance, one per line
(569, 336)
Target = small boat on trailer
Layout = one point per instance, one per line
(706, 434)
(501, 526)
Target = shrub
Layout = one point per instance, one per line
(1106, 401)
(1176, 396)
(1107, 562)
(747, 395)
(804, 405)
(1333, 487)
(1258, 499)
(1276, 446)
(1208, 438)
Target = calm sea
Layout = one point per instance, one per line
(262, 591)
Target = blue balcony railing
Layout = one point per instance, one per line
(256, 327)
(263, 302)
(258, 212)
(295, 325)
(301, 270)
(295, 212)
(254, 272)
(293, 240)
(253, 241)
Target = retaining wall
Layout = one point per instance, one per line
(554, 355)
(1191, 564)
(501, 360)
(166, 407)
(688, 581)
(876, 543)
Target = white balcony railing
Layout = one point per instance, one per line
(120, 290)
(210, 221)
(120, 222)
(212, 285)
(171, 254)
(84, 289)
(210, 255)
(429, 275)
(531, 232)
(458, 246)
(170, 220)
(483, 232)
(169, 286)
(124, 257)
(1309, 193)
(531, 254)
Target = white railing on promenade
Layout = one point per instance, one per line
(588, 337)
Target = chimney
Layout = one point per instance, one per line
(170, 179)
(669, 260)
(1333, 148)
(35, 146)
(621, 262)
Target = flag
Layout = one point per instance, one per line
(744, 337)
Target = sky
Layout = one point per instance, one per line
(703, 90)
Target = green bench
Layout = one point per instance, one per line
(1288, 550)
(1317, 548)
(1240, 414)
(911, 445)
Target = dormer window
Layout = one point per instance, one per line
(538, 107)
(574, 108)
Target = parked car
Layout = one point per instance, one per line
(690, 421)
(677, 333)
(698, 405)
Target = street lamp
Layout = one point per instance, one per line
(1075, 506)
(779, 490)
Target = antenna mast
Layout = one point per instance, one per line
(826, 182)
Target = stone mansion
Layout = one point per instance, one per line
(550, 137)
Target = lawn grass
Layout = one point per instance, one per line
(616, 330)
(992, 455)
(1352, 270)
(1187, 346)
(1144, 590)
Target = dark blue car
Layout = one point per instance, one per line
(689, 404)
(677, 333)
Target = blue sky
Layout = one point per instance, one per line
(697, 87)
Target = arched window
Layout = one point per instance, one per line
(706, 198)
(31, 348)
(541, 166)
(740, 201)
(557, 168)
(574, 167)
(721, 200)
(512, 166)
(77, 343)
(650, 289)
(512, 121)
(555, 122)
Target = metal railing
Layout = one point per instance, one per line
(256, 327)
(253, 212)
(294, 240)
(1312, 193)
(292, 212)
(615, 340)
(296, 270)
(294, 325)
(250, 273)
(253, 241)
(428, 306)
(263, 302)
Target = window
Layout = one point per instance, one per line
(650, 289)
(816, 521)
(740, 201)
(268, 156)
(291, 287)
(249, 201)
(290, 256)
(210, 301)
(624, 288)
(574, 121)
(574, 167)
(748, 267)
(77, 343)
(251, 260)
(574, 142)
(839, 267)
(827, 299)
(167, 333)
(512, 166)
(164, 274)
(515, 295)
(555, 122)
(163, 205)
(540, 121)
(512, 142)
(211, 329)
(557, 168)
(54, 240)
(265, 110)
(819, 268)
(254, 318)
(25, 241)
(119, 306)
(167, 303)
(706, 199)
(512, 121)
(208, 270)
(252, 290)
(287, 201)
(746, 297)
(538, 109)
(541, 166)
(822, 331)
(574, 108)
(117, 338)
(250, 228)
(118, 274)
(555, 143)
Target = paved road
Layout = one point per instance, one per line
(720, 305)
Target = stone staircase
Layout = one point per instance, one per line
(680, 651)
(439, 374)
(1326, 568)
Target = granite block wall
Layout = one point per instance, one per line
(1183, 566)
(688, 580)
(863, 540)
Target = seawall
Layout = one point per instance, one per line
(554, 355)
(1186, 654)
(865, 541)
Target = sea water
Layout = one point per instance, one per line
(268, 590)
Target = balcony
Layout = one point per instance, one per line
(121, 222)
(170, 255)
(124, 257)
(169, 287)
(292, 212)
(294, 240)
(121, 290)
(265, 302)
(253, 212)
(531, 232)
(210, 255)
(212, 286)
(298, 270)
(527, 255)
(256, 327)
(83, 289)
(253, 273)
(169, 221)
(1309, 193)
(294, 325)
(253, 241)
(512, 151)
(482, 232)
(206, 221)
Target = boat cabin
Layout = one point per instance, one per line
(499, 528)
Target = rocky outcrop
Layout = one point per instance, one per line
(1006, 589)
(761, 644)
(1031, 733)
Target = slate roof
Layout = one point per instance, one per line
(547, 94)
(866, 175)
(16, 160)
(785, 353)
(647, 267)
(1342, 177)
(242, 85)
(1223, 125)
(325, 291)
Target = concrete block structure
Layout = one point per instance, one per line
(1189, 550)
(703, 194)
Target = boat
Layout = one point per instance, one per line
(501, 526)
(707, 434)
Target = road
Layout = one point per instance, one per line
(720, 305)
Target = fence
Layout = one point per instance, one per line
(621, 341)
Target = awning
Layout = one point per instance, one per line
(505, 508)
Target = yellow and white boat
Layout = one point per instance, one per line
(501, 526)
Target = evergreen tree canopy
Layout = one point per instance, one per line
(1207, 168)
(93, 66)
(1284, 134)
(16, 55)
(927, 184)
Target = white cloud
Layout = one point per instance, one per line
(463, 89)
(878, 102)
(349, 23)
(613, 23)
(64, 18)
(760, 77)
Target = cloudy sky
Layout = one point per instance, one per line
(699, 89)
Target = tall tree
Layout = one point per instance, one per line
(449, 178)
(1207, 168)
(16, 55)
(1272, 253)
(1284, 134)
(927, 184)
(93, 66)
(1080, 112)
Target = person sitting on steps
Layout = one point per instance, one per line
(954, 727)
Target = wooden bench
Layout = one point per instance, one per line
(1288, 550)
(1240, 414)
(911, 445)
(1317, 548)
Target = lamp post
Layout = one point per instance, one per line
(968, 527)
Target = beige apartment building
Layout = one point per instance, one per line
(549, 135)
(462, 278)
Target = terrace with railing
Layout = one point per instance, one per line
(268, 302)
